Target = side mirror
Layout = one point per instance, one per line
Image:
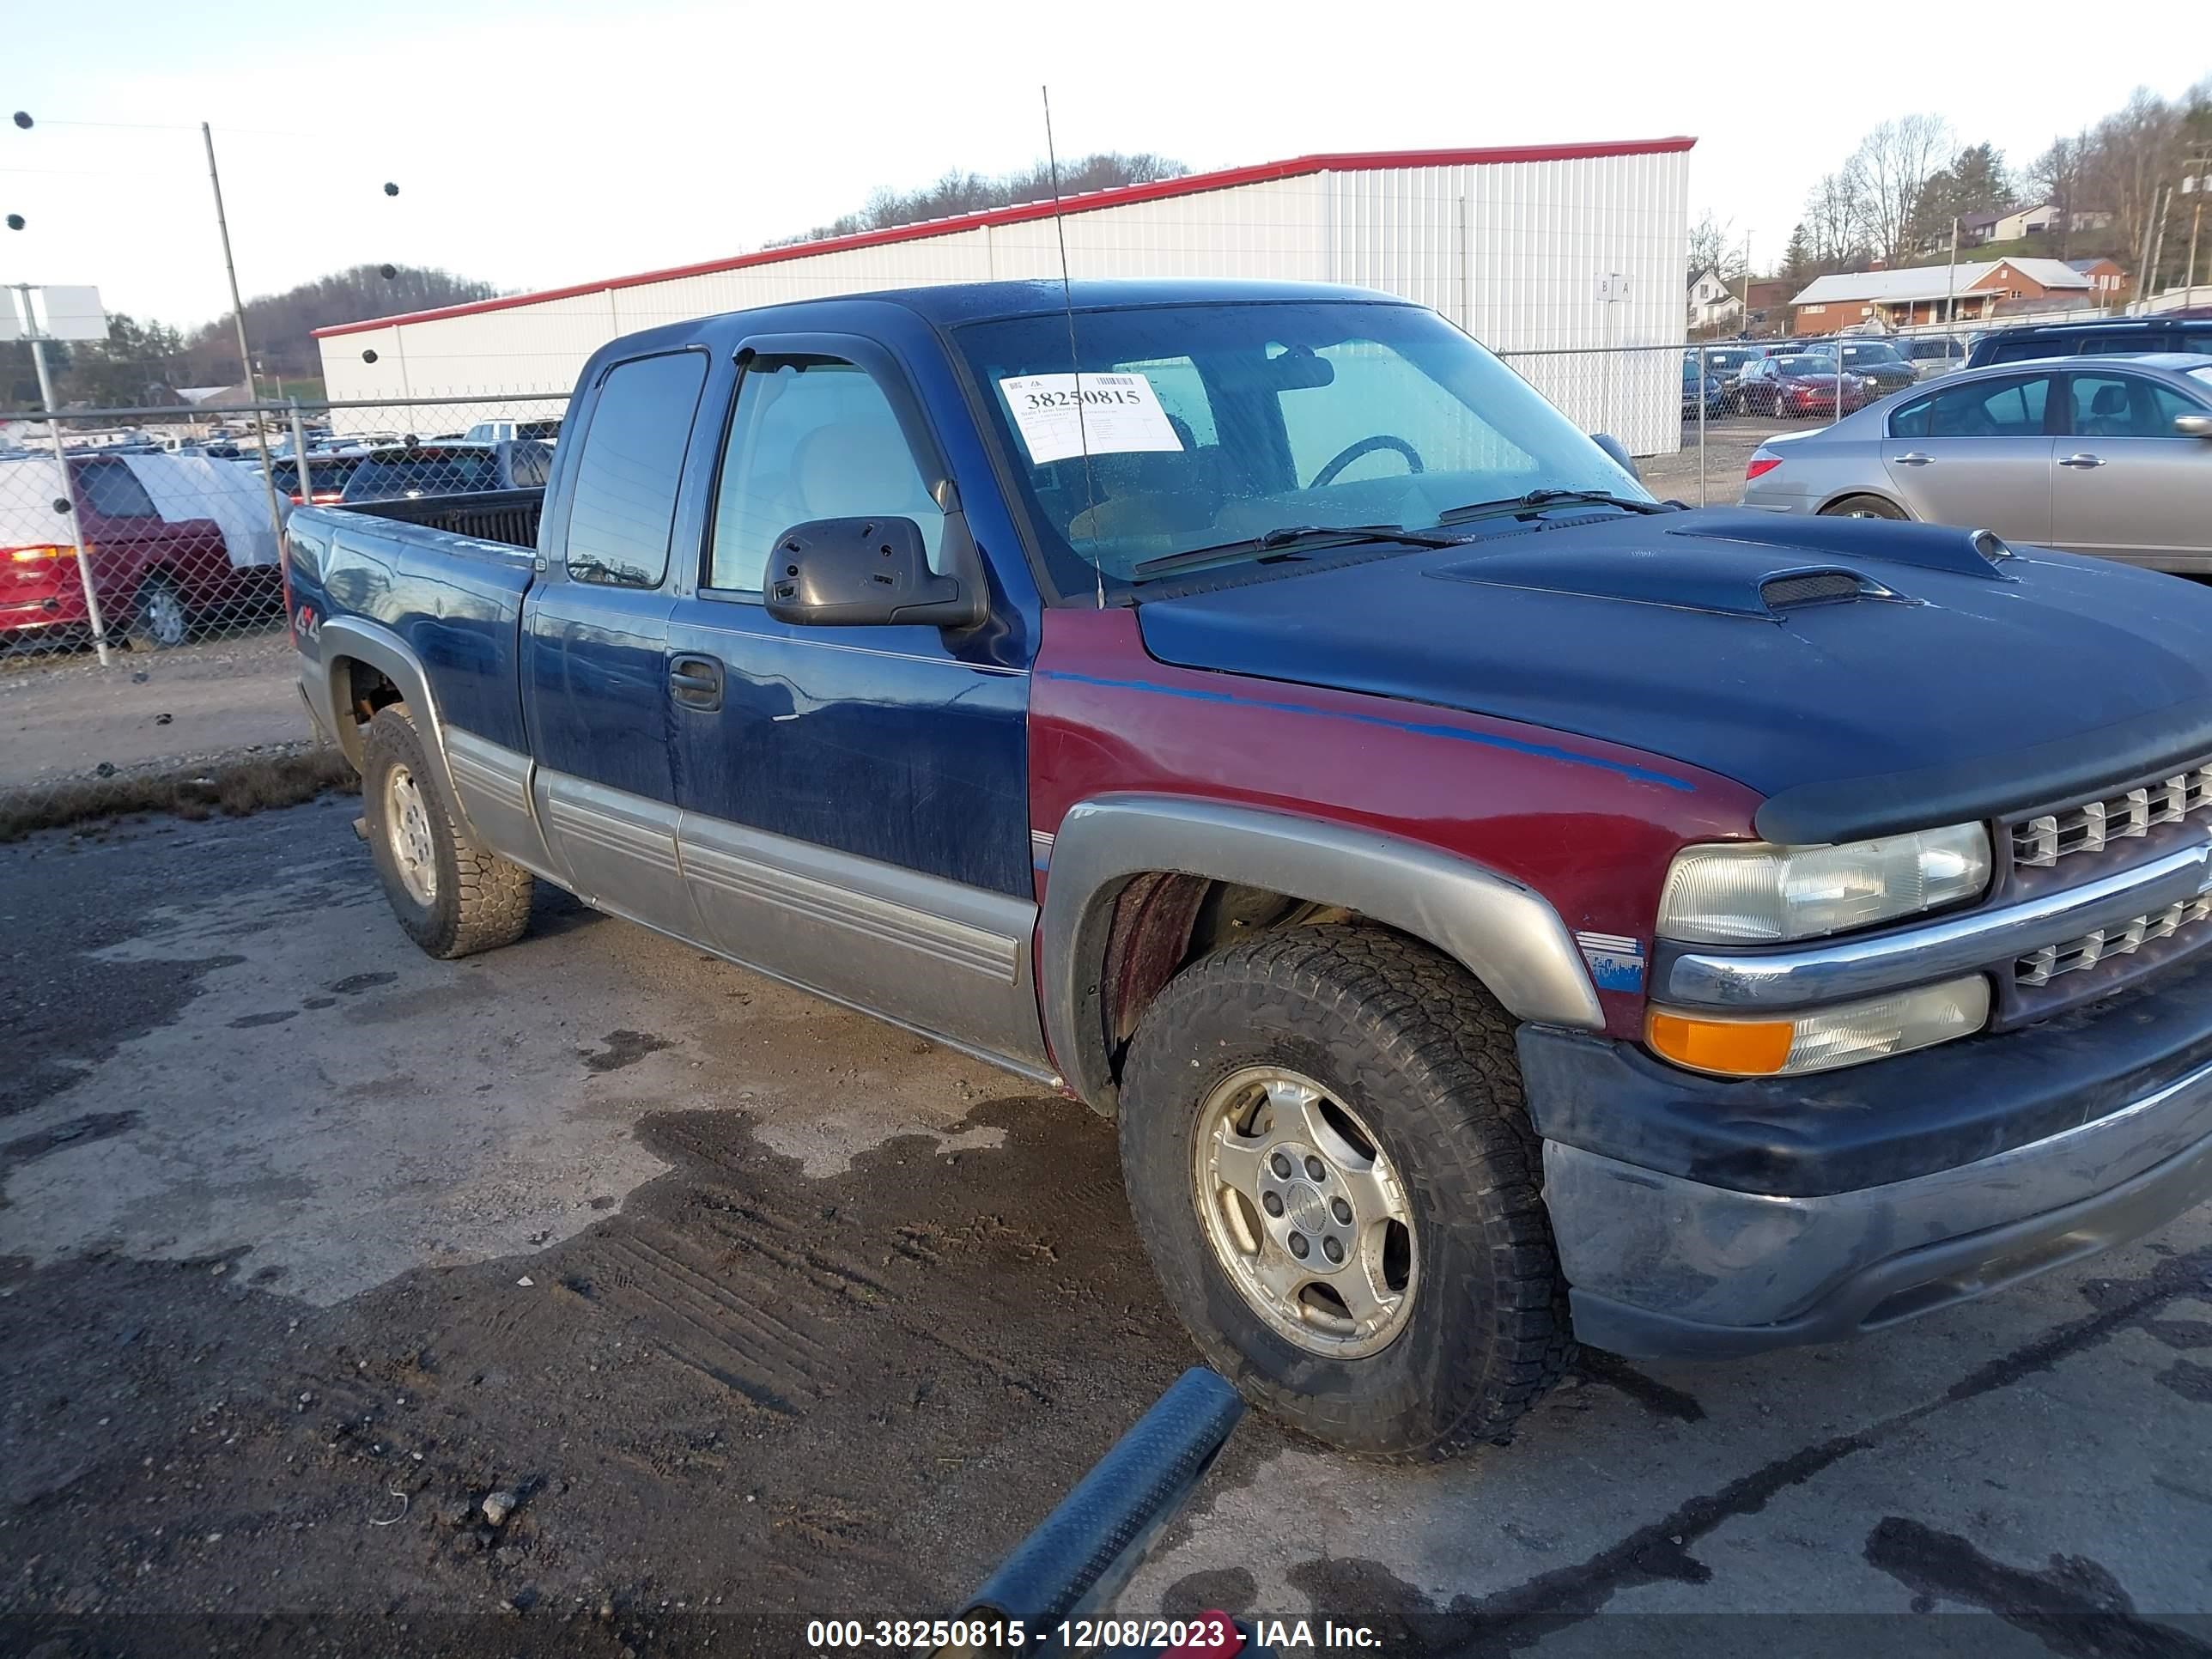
(1618, 451)
(2193, 426)
(830, 573)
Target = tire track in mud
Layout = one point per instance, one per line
(845, 1396)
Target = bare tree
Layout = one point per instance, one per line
(1892, 166)
(1835, 223)
(1715, 247)
(2131, 152)
(2056, 178)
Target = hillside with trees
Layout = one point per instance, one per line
(971, 192)
(144, 363)
(1894, 199)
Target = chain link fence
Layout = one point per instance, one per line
(141, 615)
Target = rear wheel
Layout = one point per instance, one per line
(1863, 506)
(160, 618)
(1328, 1161)
(453, 897)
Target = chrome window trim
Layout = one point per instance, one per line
(1841, 969)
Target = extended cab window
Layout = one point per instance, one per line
(1981, 408)
(113, 490)
(810, 438)
(623, 503)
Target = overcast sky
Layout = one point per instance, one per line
(555, 142)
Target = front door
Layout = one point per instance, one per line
(855, 799)
(1977, 453)
(2128, 486)
(595, 642)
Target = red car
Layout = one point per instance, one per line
(1787, 386)
(157, 578)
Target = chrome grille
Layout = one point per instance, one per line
(2094, 825)
(2074, 956)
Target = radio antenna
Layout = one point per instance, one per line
(1074, 357)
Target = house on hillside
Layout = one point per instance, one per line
(1769, 298)
(2106, 278)
(1976, 229)
(1711, 304)
(1971, 291)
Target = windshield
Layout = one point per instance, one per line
(1871, 354)
(1803, 366)
(1211, 425)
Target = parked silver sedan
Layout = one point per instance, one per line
(2110, 456)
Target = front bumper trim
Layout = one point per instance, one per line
(1663, 1265)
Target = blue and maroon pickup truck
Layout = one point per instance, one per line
(1499, 908)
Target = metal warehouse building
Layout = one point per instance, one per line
(1535, 250)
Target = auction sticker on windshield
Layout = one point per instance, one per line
(1114, 414)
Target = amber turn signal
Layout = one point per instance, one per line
(1738, 1048)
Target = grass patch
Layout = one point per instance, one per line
(234, 788)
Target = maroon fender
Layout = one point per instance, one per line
(1590, 826)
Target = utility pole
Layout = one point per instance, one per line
(1744, 326)
(2158, 246)
(1951, 275)
(244, 352)
(2143, 269)
(2194, 183)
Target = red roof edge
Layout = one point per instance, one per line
(1194, 184)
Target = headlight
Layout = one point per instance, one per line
(1750, 893)
(1822, 1039)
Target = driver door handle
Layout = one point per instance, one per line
(1914, 457)
(696, 683)
(2083, 459)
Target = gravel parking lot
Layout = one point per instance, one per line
(744, 1310)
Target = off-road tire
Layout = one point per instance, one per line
(1409, 1042)
(480, 901)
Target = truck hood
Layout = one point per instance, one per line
(1864, 676)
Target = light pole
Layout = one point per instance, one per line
(38, 333)
(244, 352)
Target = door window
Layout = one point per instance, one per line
(623, 505)
(810, 438)
(2125, 406)
(1981, 408)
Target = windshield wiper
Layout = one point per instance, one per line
(1288, 539)
(1538, 498)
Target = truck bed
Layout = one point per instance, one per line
(446, 575)
(493, 515)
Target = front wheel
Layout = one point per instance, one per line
(1322, 1135)
(453, 896)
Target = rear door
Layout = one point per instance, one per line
(2128, 486)
(855, 799)
(134, 548)
(595, 640)
(1978, 453)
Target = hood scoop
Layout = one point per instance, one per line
(1734, 563)
(1725, 581)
